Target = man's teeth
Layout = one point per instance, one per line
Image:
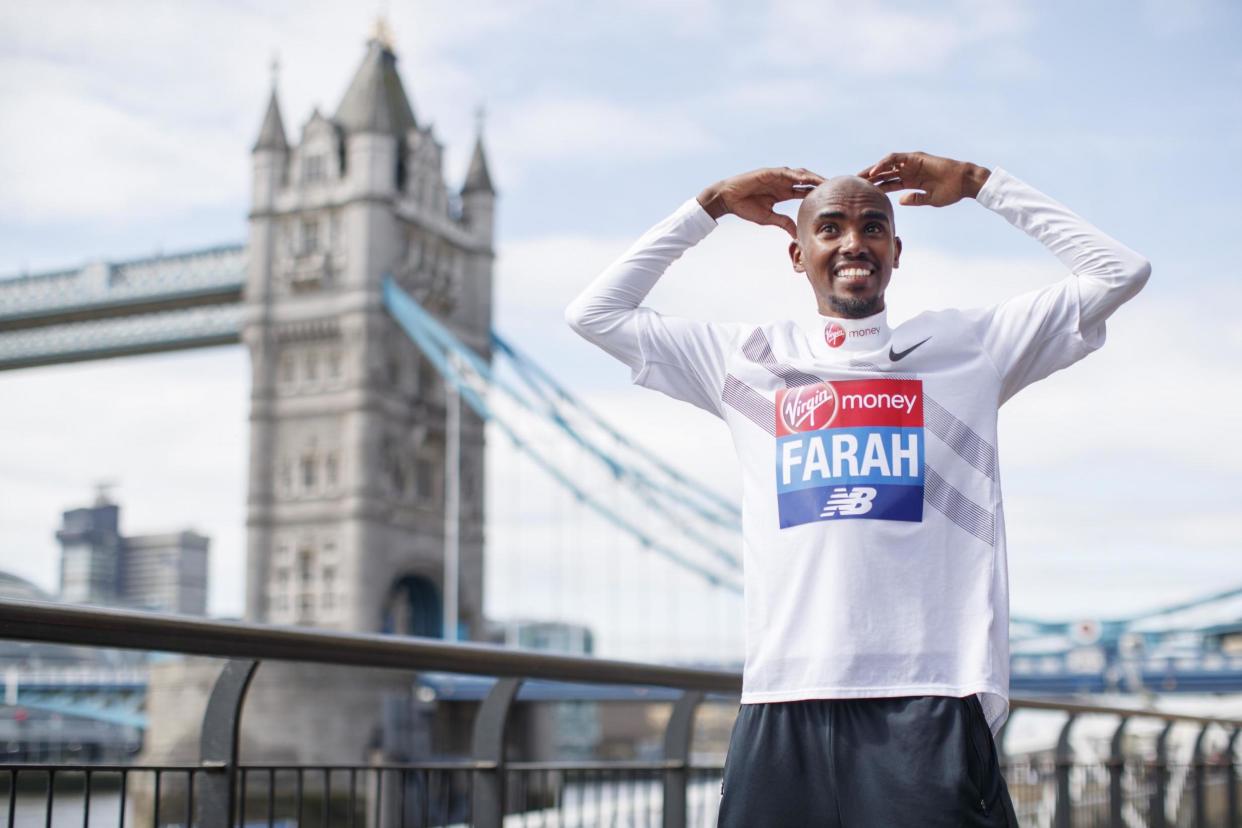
(850, 272)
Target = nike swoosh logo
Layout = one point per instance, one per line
(894, 356)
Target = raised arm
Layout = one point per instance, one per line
(1032, 335)
(606, 311)
(1109, 273)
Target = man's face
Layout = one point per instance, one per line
(846, 246)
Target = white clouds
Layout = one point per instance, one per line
(869, 39)
(170, 429)
(587, 128)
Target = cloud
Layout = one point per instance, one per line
(869, 39)
(580, 128)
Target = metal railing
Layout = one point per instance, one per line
(487, 789)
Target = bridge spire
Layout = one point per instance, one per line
(478, 177)
(272, 132)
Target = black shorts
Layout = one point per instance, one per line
(924, 761)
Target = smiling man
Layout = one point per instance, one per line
(877, 594)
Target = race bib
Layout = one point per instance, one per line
(850, 449)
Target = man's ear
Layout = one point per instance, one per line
(897, 252)
(795, 256)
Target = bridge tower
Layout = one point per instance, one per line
(345, 525)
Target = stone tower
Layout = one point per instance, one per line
(345, 526)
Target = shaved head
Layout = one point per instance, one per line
(840, 189)
(847, 246)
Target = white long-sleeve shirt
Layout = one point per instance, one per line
(872, 529)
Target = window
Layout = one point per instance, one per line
(314, 168)
(330, 469)
(425, 482)
(286, 475)
(334, 365)
(306, 565)
(308, 472)
(312, 366)
(286, 368)
(310, 236)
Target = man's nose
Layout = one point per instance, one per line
(851, 242)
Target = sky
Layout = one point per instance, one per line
(127, 128)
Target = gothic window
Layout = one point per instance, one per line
(310, 236)
(398, 476)
(306, 565)
(329, 586)
(312, 366)
(286, 475)
(314, 168)
(330, 470)
(286, 368)
(425, 481)
(334, 365)
(308, 472)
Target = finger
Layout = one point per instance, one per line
(915, 199)
(781, 220)
(811, 177)
(891, 161)
(892, 185)
(801, 176)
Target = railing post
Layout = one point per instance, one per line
(218, 744)
(1231, 769)
(1159, 793)
(488, 751)
(1116, 767)
(677, 737)
(1064, 761)
(1200, 766)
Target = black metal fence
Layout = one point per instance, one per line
(486, 788)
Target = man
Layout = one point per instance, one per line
(877, 604)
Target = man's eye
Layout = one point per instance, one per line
(827, 228)
(874, 228)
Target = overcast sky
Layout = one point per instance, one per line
(126, 130)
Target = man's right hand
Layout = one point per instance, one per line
(752, 195)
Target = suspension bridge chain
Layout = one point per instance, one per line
(652, 504)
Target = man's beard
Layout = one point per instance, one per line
(853, 308)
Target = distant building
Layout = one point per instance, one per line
(549, 636)
(98, 565)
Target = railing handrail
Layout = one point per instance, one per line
(133, 630)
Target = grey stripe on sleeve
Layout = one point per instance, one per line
(957, 507)
(749, 403)
(960, 437)
(757, 349)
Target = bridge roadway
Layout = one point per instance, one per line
(101, 310)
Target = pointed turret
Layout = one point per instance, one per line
(272, 133)
(478, 195)
(376, 100)
(478, 179)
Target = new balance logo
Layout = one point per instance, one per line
(854, 500)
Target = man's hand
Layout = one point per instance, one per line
(752, 195)
(942, 181)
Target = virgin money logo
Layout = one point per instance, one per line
(834, 335)
(809, 408)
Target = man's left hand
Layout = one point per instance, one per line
(937, 181)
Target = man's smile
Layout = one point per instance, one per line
(853, 273)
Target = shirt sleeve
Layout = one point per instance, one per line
(683, 358)
(1035, 334)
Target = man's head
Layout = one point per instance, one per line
(847, 246)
